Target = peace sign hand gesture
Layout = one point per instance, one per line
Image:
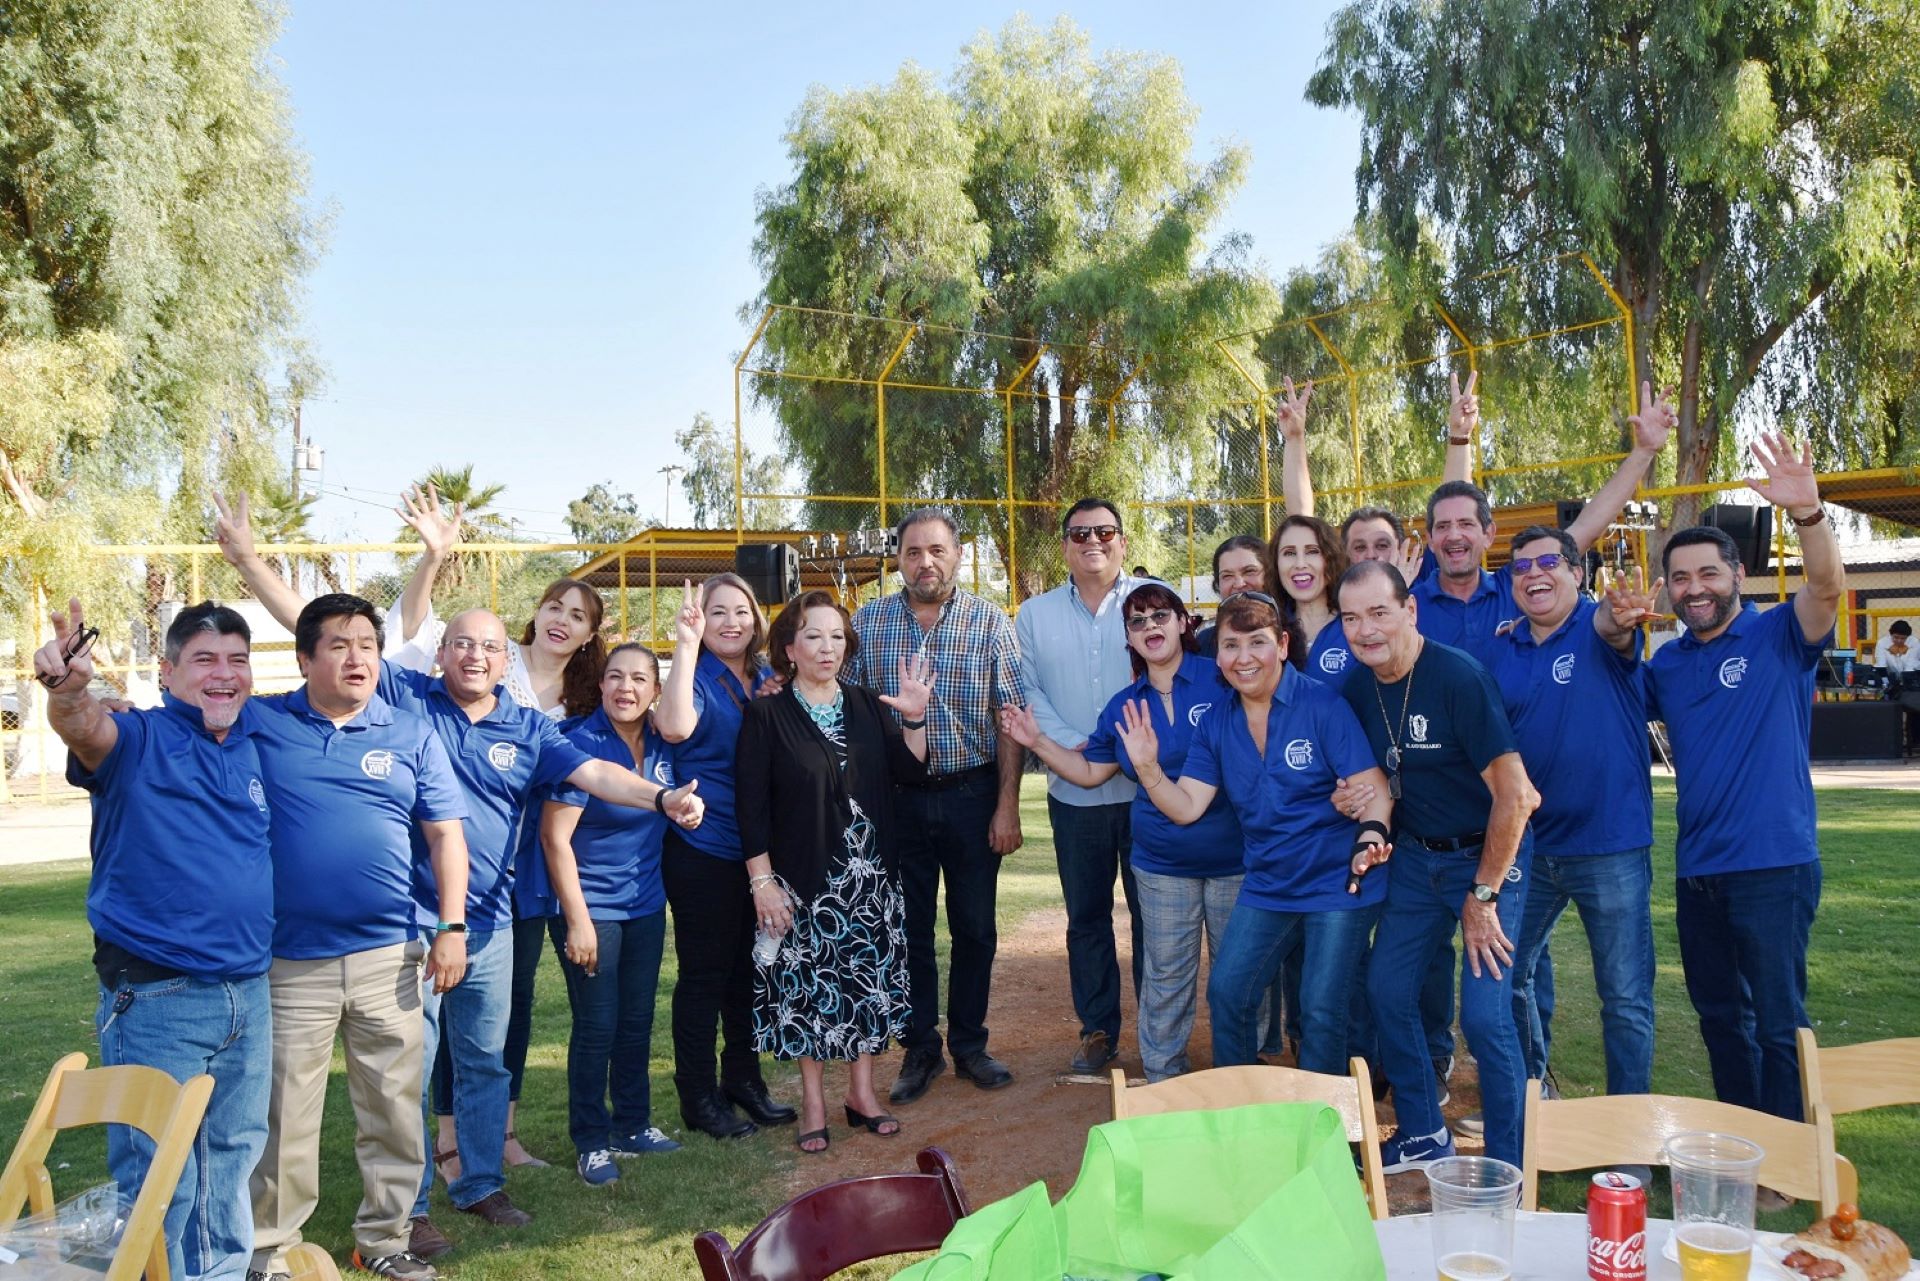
(1632, 606)
(916, 687)
(1657, 418)
(1790, 481)
(1463, 414)
(1290, 413)
(67, 656)
(438, 532)
(1137, 736)
(690, 624)
(233, 530)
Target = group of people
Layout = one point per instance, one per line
(1374, 748)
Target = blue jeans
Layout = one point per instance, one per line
(1743, 945)
(611, 1045)
(1258, 941)
(1280, 1007)
(1425, 891)
(1613, 893)
(1173, 911)
(1090, 844)
(472, 1019)
(185, 1027)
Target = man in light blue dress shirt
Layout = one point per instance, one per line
(1073, 654)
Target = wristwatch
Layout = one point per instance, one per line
(451, 927)
(1485, 893)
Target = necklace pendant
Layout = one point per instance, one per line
(1393, 767)
(1393, 785)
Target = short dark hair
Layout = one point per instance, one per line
(1157, 595)
(1482, 509)
(1361, 570)
(306, 629)
(1901, 627)
(1089, 504)
(633, 647)
(920, 516)
(1694, 536)
(1245, 612)
(1568, 548)
(1238, 543)
(787, 626)
(1359, 514)
(204, 617)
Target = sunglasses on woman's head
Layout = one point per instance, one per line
(1262, 597)
(1521, 564)
(1140, 622)
(1081, 533)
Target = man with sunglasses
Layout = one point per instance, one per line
(181, 904)
(1073, 651)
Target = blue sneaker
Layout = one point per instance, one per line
(597, 1168)
(1405, 1152)
(648, 1141)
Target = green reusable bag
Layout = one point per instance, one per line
(1267, 1190)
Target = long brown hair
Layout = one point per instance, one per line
(1332, 551)
(580, 679)
(756, 643)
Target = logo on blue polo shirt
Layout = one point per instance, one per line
(257, 794)
(1563, 669)
(377, 764)
(1334, 661)
(663, 772)
(1299, 753)
(1732, 672)
(1198, 710)
(502, 755)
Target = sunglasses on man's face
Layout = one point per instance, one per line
(1081, 533)
(1140, 622)
(1521, 564)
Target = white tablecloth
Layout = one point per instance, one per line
(1546, 1247)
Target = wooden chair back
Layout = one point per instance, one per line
(1351, 1096)
(837, 1225)
(1629, 1129)
(1854, 1078)
(165, 1110)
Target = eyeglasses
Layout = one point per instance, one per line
(78, 645)
(1081, 533)
(467, 645)
(1140, 622)
(1521, 564)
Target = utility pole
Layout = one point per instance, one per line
(297, 459)
(670, 471)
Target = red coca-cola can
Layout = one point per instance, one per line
(1616, 1228)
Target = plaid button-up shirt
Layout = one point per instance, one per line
(976, 664)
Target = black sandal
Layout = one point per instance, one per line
(800, 1141)
(872, 1124)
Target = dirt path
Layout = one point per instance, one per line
(1036, 1128)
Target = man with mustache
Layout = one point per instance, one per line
(1736, 693)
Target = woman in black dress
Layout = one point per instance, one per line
(824, 756)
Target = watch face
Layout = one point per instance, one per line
(1484, 893)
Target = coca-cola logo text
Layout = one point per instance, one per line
(1617, 1258)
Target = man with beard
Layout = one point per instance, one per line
(1736, 692)
(181, 905)
(966, 815)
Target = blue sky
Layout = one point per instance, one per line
(542, 216)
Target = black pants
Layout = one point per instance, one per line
(943, 831)
(713, 942)
(529, 937)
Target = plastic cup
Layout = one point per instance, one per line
(1714, 1179)
(1474, 1199)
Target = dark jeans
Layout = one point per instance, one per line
(529, 937)
(1743, 945)
(713, 941)
(612, 1040)
(1255, 948)
(1436, 1003)
(1091, 843)
(943, 832)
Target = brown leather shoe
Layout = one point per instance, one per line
(496, 1209)
(426, 1241)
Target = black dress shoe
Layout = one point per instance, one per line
(983, 1070)
(714, 1116)
(754, 1100)
(916, 1074)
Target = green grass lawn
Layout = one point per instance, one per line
(1864, 978)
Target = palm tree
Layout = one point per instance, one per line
(279, 515)
(479, 522)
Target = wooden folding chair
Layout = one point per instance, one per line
(1629, 1129)
(1231, 1087)
(147, 1099)
(1855, 1078)
(837, 1225)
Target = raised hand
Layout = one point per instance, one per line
(1290, 413)
(690, 624)
(1412, 552)
(1632, 606)
(683, 806)
(439, 533)
(1137, 736)
(916, 687)
(1657, 418)
(66, 661)
(1017, 723)
(1789, 482)
(1463, 412)
(233, 529)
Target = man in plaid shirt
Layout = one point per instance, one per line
(967, 813)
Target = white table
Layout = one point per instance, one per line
(1546, 1247)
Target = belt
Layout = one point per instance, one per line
(943, 782)
(115, 964)
(1450, 844)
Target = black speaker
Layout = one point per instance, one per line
(772, 570)
(1751, 529)
(1566, 511)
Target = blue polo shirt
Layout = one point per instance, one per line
(1579, 715)
(1738, 710)
(505, 761)
(720, 703)
(1451, 725)
(617, 847)
(1329, 658)
(182, 871)
(344, 803)
(1472, 624)
(1210, 845)
(1299, 847)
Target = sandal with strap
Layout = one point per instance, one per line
(800, 1141)
(532, 1160)
(440, 1158)
(871, 1124)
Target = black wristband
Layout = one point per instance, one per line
(1372, 825)
(660, 800)
(919, 724)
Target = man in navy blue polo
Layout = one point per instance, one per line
(181, 905)
(349, 777)
(1736, 693)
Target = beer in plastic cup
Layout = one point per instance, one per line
(1474, 1199)
(1714, 1180)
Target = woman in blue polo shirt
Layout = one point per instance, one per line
(604, 862)
(1276, 753)
(1188, 876)
(1304, 561)
(719, 647)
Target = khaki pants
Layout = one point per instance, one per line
(372, 999)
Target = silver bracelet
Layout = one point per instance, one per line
(755, 882)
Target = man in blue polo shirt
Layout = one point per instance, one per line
(1736, 693)
(348, 777)
(181, 904)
